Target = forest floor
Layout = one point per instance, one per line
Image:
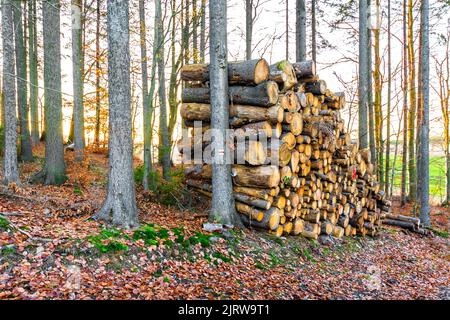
(49, 249)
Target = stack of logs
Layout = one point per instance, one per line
(322, 184)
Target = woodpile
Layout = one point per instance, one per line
(322, 185)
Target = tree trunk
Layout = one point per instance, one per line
(362, 83)
(33, 64)
(55, 169)
(26, 153)
(203, 32)
(164, 148)
(222, 205)
(413, 105)
(186, 42)
(194, 31)
(313, 31)
(10, 165)
(145, 97)
(405, 108)
(120, 204)
(370, 104)
(378, 104)
(248, 28)
(388, 111)
(424, 136)
(300, 37)
(287, 30)
(97, 77)
(77, 61)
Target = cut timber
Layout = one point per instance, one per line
(283, 73)
(278, 153)
(249, 211)
(338, 232)
(256, 192)
(239, 114)
(255, 129)
(261, 176)
(304, 69)
(270, 221)
(247, 72)
(293, 123)
(326, 228)
(263, 95)
(316, 87)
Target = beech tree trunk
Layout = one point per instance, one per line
(120, 204)
(300, 25)
(77, 63)
(222, 205)
(164, 148)
(405, 108)
(203, 32)
(33, 66)
(424, 137)
(10, 165)
(26, 153)
(362, 82)
(97, 77)
(55, 169)
(248, 28)
(313, 31)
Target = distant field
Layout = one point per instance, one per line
(437, 176)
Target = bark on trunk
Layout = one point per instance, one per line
(32, 50)
(222, 205)
(362, 82)
(10, 165)
(55, 169)
(26, 153)
(120, 204)
(77, 63)
(300, 36)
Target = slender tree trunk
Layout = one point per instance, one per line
(203, 32)
(313, 30)
(164, 148)
(194, 31)
(248, 28)
(145, 97)
(97, 78)
(370, 106)
(187, 54)
(412, 103)
(54, 169)
(26, 153)
(388, 111)
(362, 85)
(287, 30)
(300, 30)
(378, 104)
(77, 60)
(405, 107)
(10, 165)
(120, 204)
(419, 116)
(222, 206)
(424, 145)
(33, 66)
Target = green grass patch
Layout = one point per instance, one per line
(440, 233)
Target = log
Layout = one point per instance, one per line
(283, 73)
(250, 212)
(316, 87)
(264, 95)
(304, 69)
(239, 114)
(270, 220)
(247, 72)
(261, 176)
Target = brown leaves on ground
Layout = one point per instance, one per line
(58, 262)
